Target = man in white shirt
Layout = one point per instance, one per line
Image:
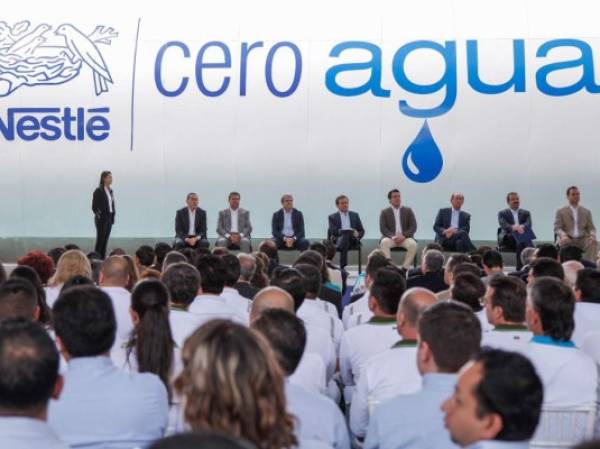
(570, 377)
(230, 294)
(497, 402)
(393, 371)
(318, 418)
(362, 342)
(114, 276)
(505, 301)
(209, 304)
(587, 307)
(28, 379)
(100, 405)
(449, 335)
(573, 225)
(190, 225)
(234, 227)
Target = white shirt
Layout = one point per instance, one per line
(19, 432)
(509, 338)
(288, 228)
(192, 217)
(234, 221)
(183, 324)
(121, 301)
(485, 324)
(310, 373)
(569, 376)
(397, 220)
(233, 298)
(591, 346)
(355, 308)
(313, 314)
(52, 294)
(345, 219)
(360, 318)
(515, 214)
(388, 374)
(587, 319)
(212, 307)
(455, 220)
(319, 341)
(575, 221)
(109, 196)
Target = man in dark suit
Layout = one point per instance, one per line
(452, 226)
(398, 225)
(287, 226)
(432, 278)
(513, 220)
(345, 229)
(190, 225)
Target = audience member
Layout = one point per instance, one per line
(71, 263)
(328, 291)
(76, 281)
(18, 299)
(144, 257)
(587, 307)
(314, 277)
(42, 264)
(201, 440)
(55, 254)
(432, 269)
(114, 278)
(545, 267)
(248, 268)
(269, 248)
(470, 290)
(492, 264)
(161, 249)
(231, 296)
(261, 275)
(28, 273)
(171, 258)
(571, 268)
(452, 262)
(134, 274)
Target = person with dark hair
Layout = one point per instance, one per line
(230, 294)
(573, 225)
(76, 281)
(209, 304)
(41, 263)
(345, 230)
(150, 348)
(290, 280)
(545, 267)
(29, 378)
(492, 264)
(505, 301)
(161, 249)
(144, 257)
(103, 207)
(432, 269)
(469, 289)
(18, 299)
(55, 253)
(358, 310)
(392, 371)
(132, 407)
(513, 222)
(287, 226)
(453, 261)
(546, 250)
(261, 278)
(570, 377)
(379, 333)
(29, 274)
(497, 402)
(172, 257)
(287, 336)
(114, 278)
(248, 267)
(117, 252)
(587, 307)
(232, 383)
(452, 226)
(190, 225)
(269, 248)
(234, 226)
(201, 440)
(449, 336)
(398, 225)
(93, 255)
(328, 296)
(70, 246)
(570, 252)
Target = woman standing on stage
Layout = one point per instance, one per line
(103, 206)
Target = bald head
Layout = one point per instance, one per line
(571, 268)
(271, 298)
(114, 272)
(413, 302)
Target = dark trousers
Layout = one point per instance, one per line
(103, 227)
(300, 244)
(344, 242)
(509, 243)
(460, 242)
(200, 243)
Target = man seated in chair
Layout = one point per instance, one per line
(452, 226)
(345, 229)
(513, 220)
(190, 225)
(234, 227)
(398, 225)
(287, 226)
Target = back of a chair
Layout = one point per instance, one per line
(564, 427)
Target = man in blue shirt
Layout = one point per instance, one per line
(101, 406)
(449, 335)
(497, 402)
(28, 378)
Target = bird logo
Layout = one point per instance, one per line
(36, 56)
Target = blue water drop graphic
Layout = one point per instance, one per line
(422, 161)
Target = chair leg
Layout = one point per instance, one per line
(359, 259)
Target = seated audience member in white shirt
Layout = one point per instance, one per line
(353, 312)
(449, 335)
(310, 374)
(469, 289)
(114, 277)
(230, 294)
(319, 418)
(393, 371)
(570, 376)
(362, 342)
(587, 307)
(132, 408)
(29, 377)
(209, 304)
(496, 403)
(505, 302)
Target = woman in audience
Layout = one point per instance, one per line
(134, 274)
(260, 278)
(40, 262)
(26, 272)
(71, 263)
(233, 384)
